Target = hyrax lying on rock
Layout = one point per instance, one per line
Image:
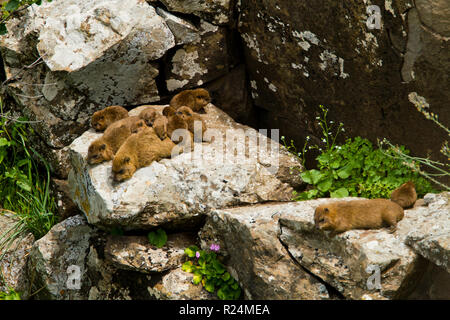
(191, 117)
(138, 151)
(104, 148)
(176, 120)
(405, 195)
(195, 99)
(358, 214)
(102, 119)
(149, 115)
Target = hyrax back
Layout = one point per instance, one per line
(104, 148)
(358, 214)
(405, 195)
(102, 119)
(195, 99)
(140, 150)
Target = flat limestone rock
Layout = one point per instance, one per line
(431, 236)
(237, 166)
(136, 253)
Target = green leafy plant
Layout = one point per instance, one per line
(356, 168)
(25, 180)
(157, 238)
(211, 273)
(8, 8)
(10, 295)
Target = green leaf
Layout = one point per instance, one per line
(225, 276)
(4, 142)
(12, 5)
(325, 185)
(209, 286)
(190, 251)
(158, 238)
(345, 172)
(188, 266)
(197, 278)
(339, 193)
(218, 266)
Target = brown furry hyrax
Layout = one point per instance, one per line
(104, 148)
(358, 214)
(195, 99)
(405, 195)
(177, 120)
(149, 115)
(190, 117)
(102, 119)
(138, 151)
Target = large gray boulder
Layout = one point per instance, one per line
(223, 173)
(296, 62)
(431, 235)
(64, 60)
(255, 257)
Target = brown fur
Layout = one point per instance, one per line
(149, 115)
(190, 117)
(102, 119)
(358, 214)
(105, 147)
(160, 126)
(176, 120)
(405, 195)
(138, 151)
(195, 99)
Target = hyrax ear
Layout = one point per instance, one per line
(103, 147)
(168, 111)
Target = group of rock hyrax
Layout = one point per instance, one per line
(133, 142)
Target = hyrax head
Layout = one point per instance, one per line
(202, 98)
(98, 121)
(122, 168)
(98, 152)
(149, 116)
(138, 126)
(185, 113)
(322, 218)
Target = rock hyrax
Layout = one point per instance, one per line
(102, 119)
(341, 216)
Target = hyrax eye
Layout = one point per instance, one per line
(122, 171)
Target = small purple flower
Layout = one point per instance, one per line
(214, 247)
(197, 254)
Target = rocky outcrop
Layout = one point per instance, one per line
(431, 235)
(273, 249)
(77, 261)
(256, 258)
(240, 166)
(362, 75)
(137, 254)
